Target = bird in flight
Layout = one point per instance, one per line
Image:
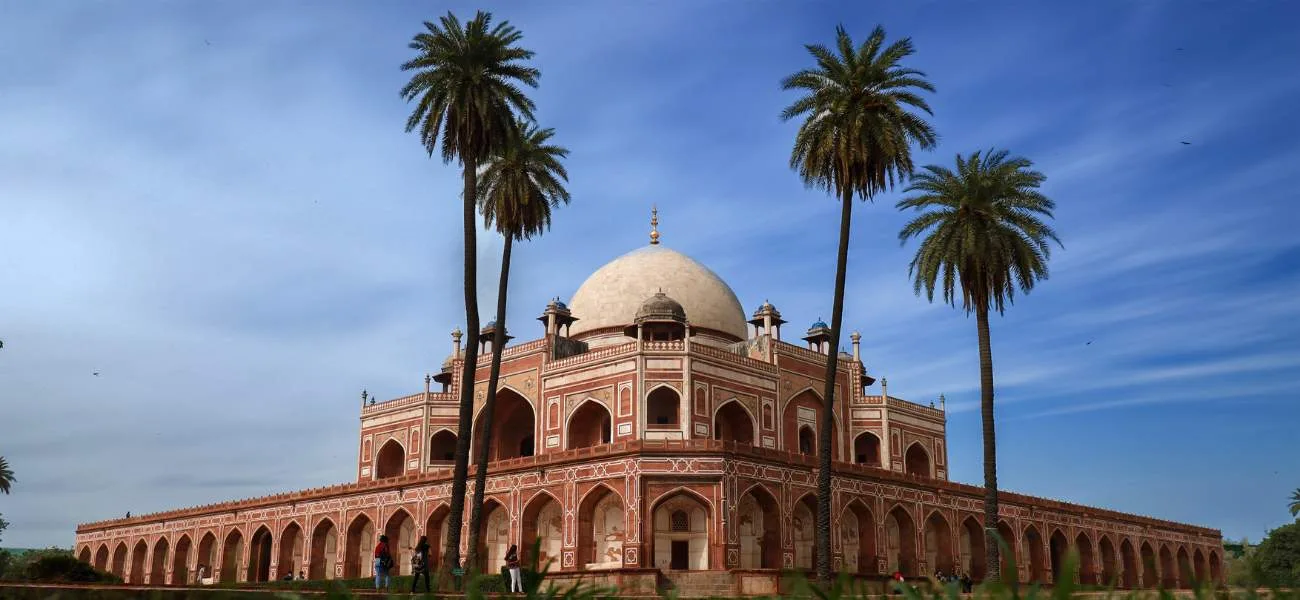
(1089, 343)
(1187, 143)
(96, 373)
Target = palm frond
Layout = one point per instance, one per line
(522, 182)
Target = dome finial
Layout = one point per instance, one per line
(654, 225)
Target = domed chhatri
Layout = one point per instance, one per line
(611, 297)
(660, 308)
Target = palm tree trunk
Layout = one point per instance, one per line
(991, 548)
(825, 448)
(480, 477)
(460, 472)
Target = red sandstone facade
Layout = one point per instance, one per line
(656, 449)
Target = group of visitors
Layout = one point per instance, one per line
(420, 565)
(966, 584)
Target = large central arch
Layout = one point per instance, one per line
(514, 424)
(680, 532)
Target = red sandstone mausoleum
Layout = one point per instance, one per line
(652, 433)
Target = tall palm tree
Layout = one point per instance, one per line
(985, 235)
(1294, 506)
(517, 189)
(856, 139)
(466, 84)
(6, 476)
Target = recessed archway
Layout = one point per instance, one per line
(1168, 570)
(137, 562)
(900, 535)
(435, 530)
(442, 448)
(1150, 570)
(513, 427)
(119, 560)
(1216, 568)
(601, 529)
(858, 535)
(84, 555)
(1201, 569)
(1087, 573)
(916, 461)
(1008, 552)
(807, 441)
(590, 425)
(1033, 545)
(866, 449)
(259, 555)
(494, 535)
(1109, 562)
(543, 523)
(357, 554)
(390, 461)
(1184, 560)
(158, 568)
(1058, 547)
(680, 533)
(401, 539)
(758, 518)
(663, 408)
(971, 546)
(101, 557)
(733, 423)
(803, 527)
(324, 550)
(181, 561)
(1130, 566)
(207, 558)
(290, 561)
(938, 543)
(805, 410)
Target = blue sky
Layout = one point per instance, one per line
(215, 206)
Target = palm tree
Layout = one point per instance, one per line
(6, 476)
(984, 232)
(856, 139)
(517, 189)
(466, 85)
(1294, 507)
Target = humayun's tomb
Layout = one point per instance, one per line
(652, 433)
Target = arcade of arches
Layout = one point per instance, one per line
(683, 532)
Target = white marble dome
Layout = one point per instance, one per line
(611, 296)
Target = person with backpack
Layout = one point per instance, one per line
(383, 563)
(512, 563)
(420, 563)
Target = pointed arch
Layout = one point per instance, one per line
(259, 554)
(206, 561)
(858, 538)
(400, 530)
(1216, 568)
(542, 523)
(1109, 561)
(938, 543)
(733, 422)
(435, 528)
(442, 447)
(494, 533)
(803, 531)
(792, 424)
(158, 568)
(290, 559)
(1168, 570)
(514, 426)
(681, 530)
(119, 561)
(1009, 545)
(1150, 568)
(84, 555)
(663, 405)
(1184, 561)
(1130, 568)
(1201, 570)
(900, 534)
(601, 527)
(1087, 560)
(590, 424)
(1033, 544)
(101, 557)
(759, 528)
(359, 544)
(138, 561)
(324, 549)
(1058, 546)
(971, 550)
(866, 449)
(916, 461)
(181, 560)
(390, 461)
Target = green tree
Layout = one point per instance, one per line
(6, 476)
(517, 189)
(1294, 507)
(1276, 560)
(466, 85)
(984, 237)
(858, 127)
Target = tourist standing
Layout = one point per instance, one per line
(383, 562)
(512, 563)
(420, 563)
(898, 582)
